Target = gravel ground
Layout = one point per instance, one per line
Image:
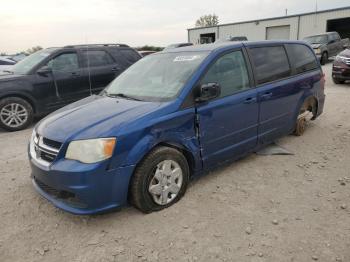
(261, 208)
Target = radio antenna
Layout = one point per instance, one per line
(88, 65)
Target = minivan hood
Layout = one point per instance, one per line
(92, 117)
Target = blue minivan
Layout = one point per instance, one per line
(169, 117)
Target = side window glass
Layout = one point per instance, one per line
(64, 63)
(130, 55)
(95, 58)
(230, 72)
(271, 63)
(302, 58)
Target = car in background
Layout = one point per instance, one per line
(172, 46)
(6, 64)
(54, 77)
(341, 67)
(170, 117)
(327, 45)
(144, 53)
(233, 39)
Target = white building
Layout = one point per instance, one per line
(293, 27)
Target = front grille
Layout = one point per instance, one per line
(45, 150)
(52, 143)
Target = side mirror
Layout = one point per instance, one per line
(208, 91)
(44, 70)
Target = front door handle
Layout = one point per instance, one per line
(250, 100)
(75, 74)
(115, 69)
(266, 96)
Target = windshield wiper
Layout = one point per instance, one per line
(7, 71)
(123, 96)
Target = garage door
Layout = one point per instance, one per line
(278, 33)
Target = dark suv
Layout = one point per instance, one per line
(54, 77)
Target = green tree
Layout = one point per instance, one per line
(33, 50)
(207, 20)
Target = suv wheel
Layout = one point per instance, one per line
(324, 58)
(337, 81)
(15, 114)
(160, 180)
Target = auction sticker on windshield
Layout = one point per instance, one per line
(186, 58)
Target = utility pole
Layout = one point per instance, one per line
(316, 10)
(286, 11)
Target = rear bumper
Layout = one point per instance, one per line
(82, 189)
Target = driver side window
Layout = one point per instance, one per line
(67, 62)
(230, 72)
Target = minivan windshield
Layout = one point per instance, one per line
(318, 39)
(158, 77)
(24, 66)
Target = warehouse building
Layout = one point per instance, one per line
(292, 27)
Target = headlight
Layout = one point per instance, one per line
(340, 58)
(91, 150)
(33, 140)
(318, 51)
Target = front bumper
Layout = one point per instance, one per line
(82, 189)
(341, 73)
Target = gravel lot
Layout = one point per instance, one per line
(261, 208)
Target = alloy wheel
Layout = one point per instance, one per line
(13, 115)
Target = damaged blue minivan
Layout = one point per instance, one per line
(169, 117)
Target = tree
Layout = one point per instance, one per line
(33, 49)
(3, 54)
(207, 20)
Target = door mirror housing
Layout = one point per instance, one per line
(44, 70)
(208, 91)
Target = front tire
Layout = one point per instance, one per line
(324, 58)
(15, 114)
(160, 180)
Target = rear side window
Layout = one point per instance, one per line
(271, 63)
(302, 58)
(125, 57)
(130, 55)
(95, 58)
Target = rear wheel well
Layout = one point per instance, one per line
(30, 101)
(311, 105)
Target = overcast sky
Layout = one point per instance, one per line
(25, 23)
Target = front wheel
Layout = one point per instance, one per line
(160, 180)
(15, 113)
(324, 58)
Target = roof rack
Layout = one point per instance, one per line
(88, 45)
